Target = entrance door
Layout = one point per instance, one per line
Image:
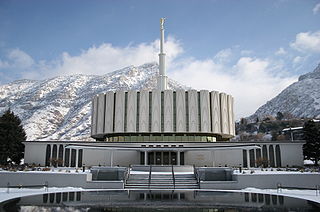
(163, 158)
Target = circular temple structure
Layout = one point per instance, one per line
(162, 116)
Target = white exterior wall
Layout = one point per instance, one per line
(180, 111)
(94, 115)
(119, 112)
(109, 113)
(35, 153)
(108, 121)
(144, 111)
(193, 111)
(216, 112)
(205, 111)
(224, 113)
(131, 111)
(156, 111)
(168, 110)
(101, 110)
(291, 154)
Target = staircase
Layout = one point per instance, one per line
(161, 180)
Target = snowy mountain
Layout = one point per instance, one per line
(60, 108)
(301, 99)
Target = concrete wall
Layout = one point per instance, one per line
(55, 180)
(192, 111)
(291, 153)
(264, 181)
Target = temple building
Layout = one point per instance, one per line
(163, 127)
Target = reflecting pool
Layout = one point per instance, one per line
(195, 201)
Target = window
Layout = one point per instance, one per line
(80, 152)
(174, 112)
(60, 155)
(278, 156)
(66, 157)
(48, 155)
(73, 157)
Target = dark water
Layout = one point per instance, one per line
(146, 201)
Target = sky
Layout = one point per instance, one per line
(251, 49)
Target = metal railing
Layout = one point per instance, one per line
(173, 178)
(45, 185)
(280, 187)
(150, 173)
(196, 175)
(126, 178)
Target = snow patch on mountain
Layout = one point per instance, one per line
(301, 99)
(60, 108)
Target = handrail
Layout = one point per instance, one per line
(127, 175)
(150, 172)
(173, 178)
(20, 186)
(196, 174)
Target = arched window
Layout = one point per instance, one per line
(278, 156)
(66, 157)
(54, 152)
(60, 155)
(271, 156)
(48, 155)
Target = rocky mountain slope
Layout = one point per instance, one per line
(60, 108)
(301, 99)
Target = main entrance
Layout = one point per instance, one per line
(162, 158)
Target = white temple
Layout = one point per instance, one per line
(163, 127)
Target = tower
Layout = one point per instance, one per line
(162, 78)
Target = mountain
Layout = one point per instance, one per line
(301, 99)
(60, 108)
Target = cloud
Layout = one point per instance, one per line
(17, 59)
(106, 58)
(280, 51)
(252, 81)
(316, 8)
(307, 42)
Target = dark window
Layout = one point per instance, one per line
(114, 112)
(142, 158)
(78, 197)
(45, 198)
(51, 197)
(244, 156)
(54, 152)
(66, 157)
(71, 196)
(64, 196)
(271, 156)
(48, 155)
(60, 155)
(58, 197)
(252, 158)
(73, 158)
(181, 158)
(264, 152)
(80, 152)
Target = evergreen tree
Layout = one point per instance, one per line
(311, 149)
(12, 135)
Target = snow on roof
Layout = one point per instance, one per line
(292, 128)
